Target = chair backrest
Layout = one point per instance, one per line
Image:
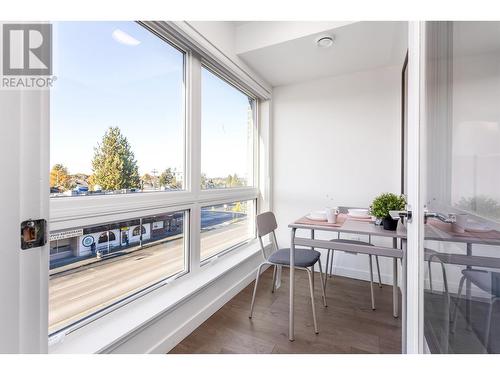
(266, 223)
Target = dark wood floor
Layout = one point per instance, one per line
(347, 325)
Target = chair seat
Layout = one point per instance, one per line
(485, 280)
(303, 257)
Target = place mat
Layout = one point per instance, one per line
(446, 227)
(341, 218)
(367, 220)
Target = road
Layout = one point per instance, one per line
(77, 293)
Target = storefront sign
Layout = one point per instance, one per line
(157, 225)
(66, 234)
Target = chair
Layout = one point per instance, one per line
(329, 262)
(305, 259)
(487, 281)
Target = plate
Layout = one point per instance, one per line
(360, 213)
(317, 216)
(360, 217)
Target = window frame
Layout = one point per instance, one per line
(80, 211)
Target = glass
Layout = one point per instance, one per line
(226, 226)
(462, 259)
(227, 122)
(116, 110)
(93, 267)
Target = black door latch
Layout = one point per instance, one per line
(33, 233)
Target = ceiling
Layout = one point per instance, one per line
(475, 37)
(358, 46)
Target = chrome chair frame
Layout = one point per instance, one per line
(329, 262)
(493, 300)
(269, 228)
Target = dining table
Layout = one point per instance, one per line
(434, 230)
(348, 225)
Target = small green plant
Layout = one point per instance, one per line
(386, 202)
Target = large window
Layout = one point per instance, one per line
(227, 121)
(119, 128)
(117, 110)
(225, 226)
(107, 262)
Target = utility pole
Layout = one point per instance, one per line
(154, 172)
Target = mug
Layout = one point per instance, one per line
(331, 215)
(460, 223)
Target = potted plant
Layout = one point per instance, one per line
(384, 203)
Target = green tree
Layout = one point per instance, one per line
(59, 177)
(167, 178)
(114, 166)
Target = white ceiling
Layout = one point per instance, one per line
(475, 37)
(358, 46)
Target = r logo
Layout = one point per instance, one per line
(27, 49)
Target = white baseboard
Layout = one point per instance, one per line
(359, 274)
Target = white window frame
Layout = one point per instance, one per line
(80, 211)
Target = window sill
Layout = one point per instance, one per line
(125, 321)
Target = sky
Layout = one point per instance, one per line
(120, 74)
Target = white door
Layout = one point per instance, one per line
(24, 193)
(453, 257)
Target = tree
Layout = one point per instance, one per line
(59, 177)
(146, 180)
(203, 180)
(167, 178)
(233, 180)
(114, 166)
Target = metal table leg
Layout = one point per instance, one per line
(291, 335)
(395, 309)
(312, 268)
(403, 297)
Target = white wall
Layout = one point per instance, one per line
(336, 142)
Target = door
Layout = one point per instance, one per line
(24, 193)
(453, 253)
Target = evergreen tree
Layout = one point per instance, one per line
(114, 166)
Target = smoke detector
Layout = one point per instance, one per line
(325, 41)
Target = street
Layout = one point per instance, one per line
(77, 293)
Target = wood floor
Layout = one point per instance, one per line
(347, 325)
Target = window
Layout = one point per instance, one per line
(117, 111)
(227, 120)
(225, 226)
(106, 237)
(138, 231)
(117, 131)
(96, 273)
